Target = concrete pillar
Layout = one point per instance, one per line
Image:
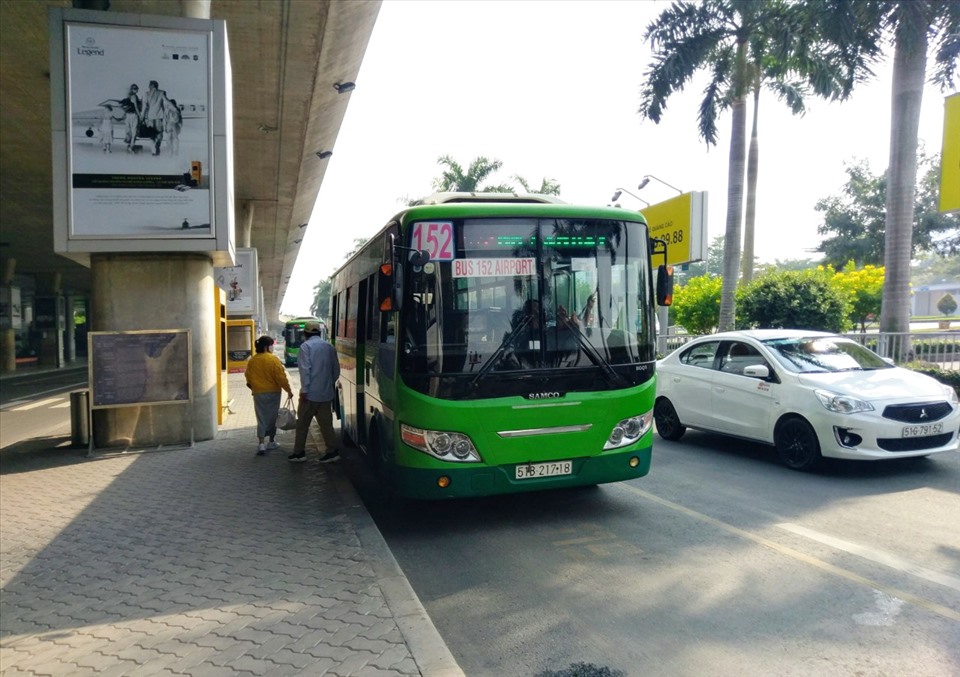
(245, 224)
(50, 318)
(195, 9)
(70, 340)
(8, 337)
(158, 291)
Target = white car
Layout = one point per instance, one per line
(810, 394)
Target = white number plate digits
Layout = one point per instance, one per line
(532, 470)
(922, 430)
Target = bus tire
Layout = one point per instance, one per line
(379, 463)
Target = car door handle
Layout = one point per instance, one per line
(721, 390)
(676, 379)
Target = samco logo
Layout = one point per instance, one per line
(544, 396)
(90, 48)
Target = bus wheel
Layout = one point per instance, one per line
(379, 464)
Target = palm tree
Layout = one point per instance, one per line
(547, 186)
(455, 179)
(745, 45)
(914, 24)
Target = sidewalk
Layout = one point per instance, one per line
(202, 561)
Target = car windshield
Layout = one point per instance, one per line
(824, 354)
(531, 296)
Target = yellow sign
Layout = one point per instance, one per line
(682, 223)
(950, 156)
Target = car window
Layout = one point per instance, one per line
(824, 354)
(738, 355)
(700, 355)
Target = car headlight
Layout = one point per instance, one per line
(442, 444)
(951, 395)
(629, 430)
(842, 404)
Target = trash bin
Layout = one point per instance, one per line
(80, 418)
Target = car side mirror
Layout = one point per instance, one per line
(757, 371)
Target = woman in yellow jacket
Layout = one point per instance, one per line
(266, 377)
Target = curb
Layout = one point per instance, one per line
(427, 647)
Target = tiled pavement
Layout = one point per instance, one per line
(203, 561)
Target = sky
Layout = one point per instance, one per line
(551, 88)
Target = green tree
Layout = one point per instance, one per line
(696, 304)
(864, 290)
(855, 221)
(947, 304)
(320, 307)
(794, 300)
(745, 45)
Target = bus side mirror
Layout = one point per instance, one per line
(388, 288)
(664, 285)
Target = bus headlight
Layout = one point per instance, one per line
(629, 430)
(442, 444)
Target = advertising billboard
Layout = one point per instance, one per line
(241, 283)
(141, 110)
(140, 136)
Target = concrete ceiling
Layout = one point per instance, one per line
(286, 56)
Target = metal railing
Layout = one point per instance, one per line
(938, 348)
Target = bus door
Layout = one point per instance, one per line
(364, 366)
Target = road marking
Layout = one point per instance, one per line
(840, 572)
(62, 405)
(877, 556)
(38, 403)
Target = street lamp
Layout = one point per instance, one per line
(646, 180)
(619, 191)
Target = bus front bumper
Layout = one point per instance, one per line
(467, 480)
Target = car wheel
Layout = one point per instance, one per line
(797, 445)
(669, 426)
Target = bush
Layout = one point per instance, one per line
(947, 304)
(696, 305)
(790, 299)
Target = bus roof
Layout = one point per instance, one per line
(513, 198)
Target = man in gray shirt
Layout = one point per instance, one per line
(319, 371)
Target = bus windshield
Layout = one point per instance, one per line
(560, 301)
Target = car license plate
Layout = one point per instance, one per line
(922, 430)
(532, 470)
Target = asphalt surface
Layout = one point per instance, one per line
(197, 561)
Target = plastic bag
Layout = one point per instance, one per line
(287, 416)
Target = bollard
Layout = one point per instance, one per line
(79, 418)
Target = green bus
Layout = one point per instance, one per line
(293, 337)
(497, 343)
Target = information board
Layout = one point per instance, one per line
(139, 367)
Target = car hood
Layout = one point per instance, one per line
(881, 384)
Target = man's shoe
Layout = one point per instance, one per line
(297, 458)
(272, 445)
(261, 450)
(331, 456)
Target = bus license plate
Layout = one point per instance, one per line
(922, 430)
(533, 470)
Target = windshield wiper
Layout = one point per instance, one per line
(612, 376)
(506, 343)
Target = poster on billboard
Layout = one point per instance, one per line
(139, 138)
(240, 282)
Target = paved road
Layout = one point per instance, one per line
(720, 562)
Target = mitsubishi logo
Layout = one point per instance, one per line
(924, 414)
